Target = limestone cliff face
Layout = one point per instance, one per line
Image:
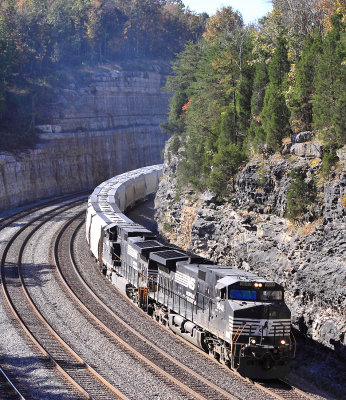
(108, 99)
(249, 232)
(105, 125)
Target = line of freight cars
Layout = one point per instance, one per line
(238, 317)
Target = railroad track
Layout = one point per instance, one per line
(74, 369)
(283, 390)
(171, 370)
(189, 383)
(8, 389)
(152, 355)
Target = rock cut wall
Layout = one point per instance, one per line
(249, 231)
(105, 125)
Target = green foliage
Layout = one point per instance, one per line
(225, 165)
(329, 159)
(275, 114)
(233, 87)
(330, 84)
(175, 144)
(303, 90)
(259, 85)
(228, 127)
(210, 108)
(301, 195)
(262, 174)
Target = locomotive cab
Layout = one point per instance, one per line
(259, 327)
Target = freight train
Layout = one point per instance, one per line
(238, 317)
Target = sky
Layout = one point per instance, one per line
(249, 9)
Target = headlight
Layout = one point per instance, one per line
(282, 341)
(252, 341)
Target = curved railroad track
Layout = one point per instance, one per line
(8, 390)
(55, 351)
(181, 368)
(189, 378)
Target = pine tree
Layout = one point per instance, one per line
(228, 127)
(275, 114)
(301, 101)
(244, 89)
(259, 85)
(330, 83)
(225, 165)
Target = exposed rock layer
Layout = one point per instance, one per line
(250, 232)
(109, 124)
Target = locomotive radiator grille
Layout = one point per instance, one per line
(260, 327)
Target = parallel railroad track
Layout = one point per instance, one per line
(283, 390)
(84, 378)
(189, 380)
(193, 385)
(277, 389)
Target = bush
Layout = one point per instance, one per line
(301, 195)
(175, 144)
(262, 176)
(225, 165)
(329, 159)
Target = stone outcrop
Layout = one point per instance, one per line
(108, 99)
(104, 125)
(249, 231)
(310, 149)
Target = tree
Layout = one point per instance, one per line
(303, 89)
(301, 195)
(225, 165)
(260, 83)
(330, 84)
(9, 54)
(275, 114)
(222, 25)
(245, 85)
(184, 69)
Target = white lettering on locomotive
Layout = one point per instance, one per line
(185, 280)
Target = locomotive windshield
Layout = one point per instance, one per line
(252, 295)
(242, 294)
(271, 295)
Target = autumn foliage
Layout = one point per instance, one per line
(253, 86)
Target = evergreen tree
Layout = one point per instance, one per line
(330, 84)
(275, 114)
(225, 165)
(228, 128)
(301, 100)
(244, 89)
(260, 83)
(301, 195)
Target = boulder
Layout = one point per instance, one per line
(307, 150)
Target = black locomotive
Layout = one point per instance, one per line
(238, 317)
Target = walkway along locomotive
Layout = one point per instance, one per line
(238, 317)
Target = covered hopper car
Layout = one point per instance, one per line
(238, 317)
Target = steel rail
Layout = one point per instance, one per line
(8, 380)
(288, 392)
(299, 395)
(52, 331)
(28, 209)
(13, 308)
(133, 331)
